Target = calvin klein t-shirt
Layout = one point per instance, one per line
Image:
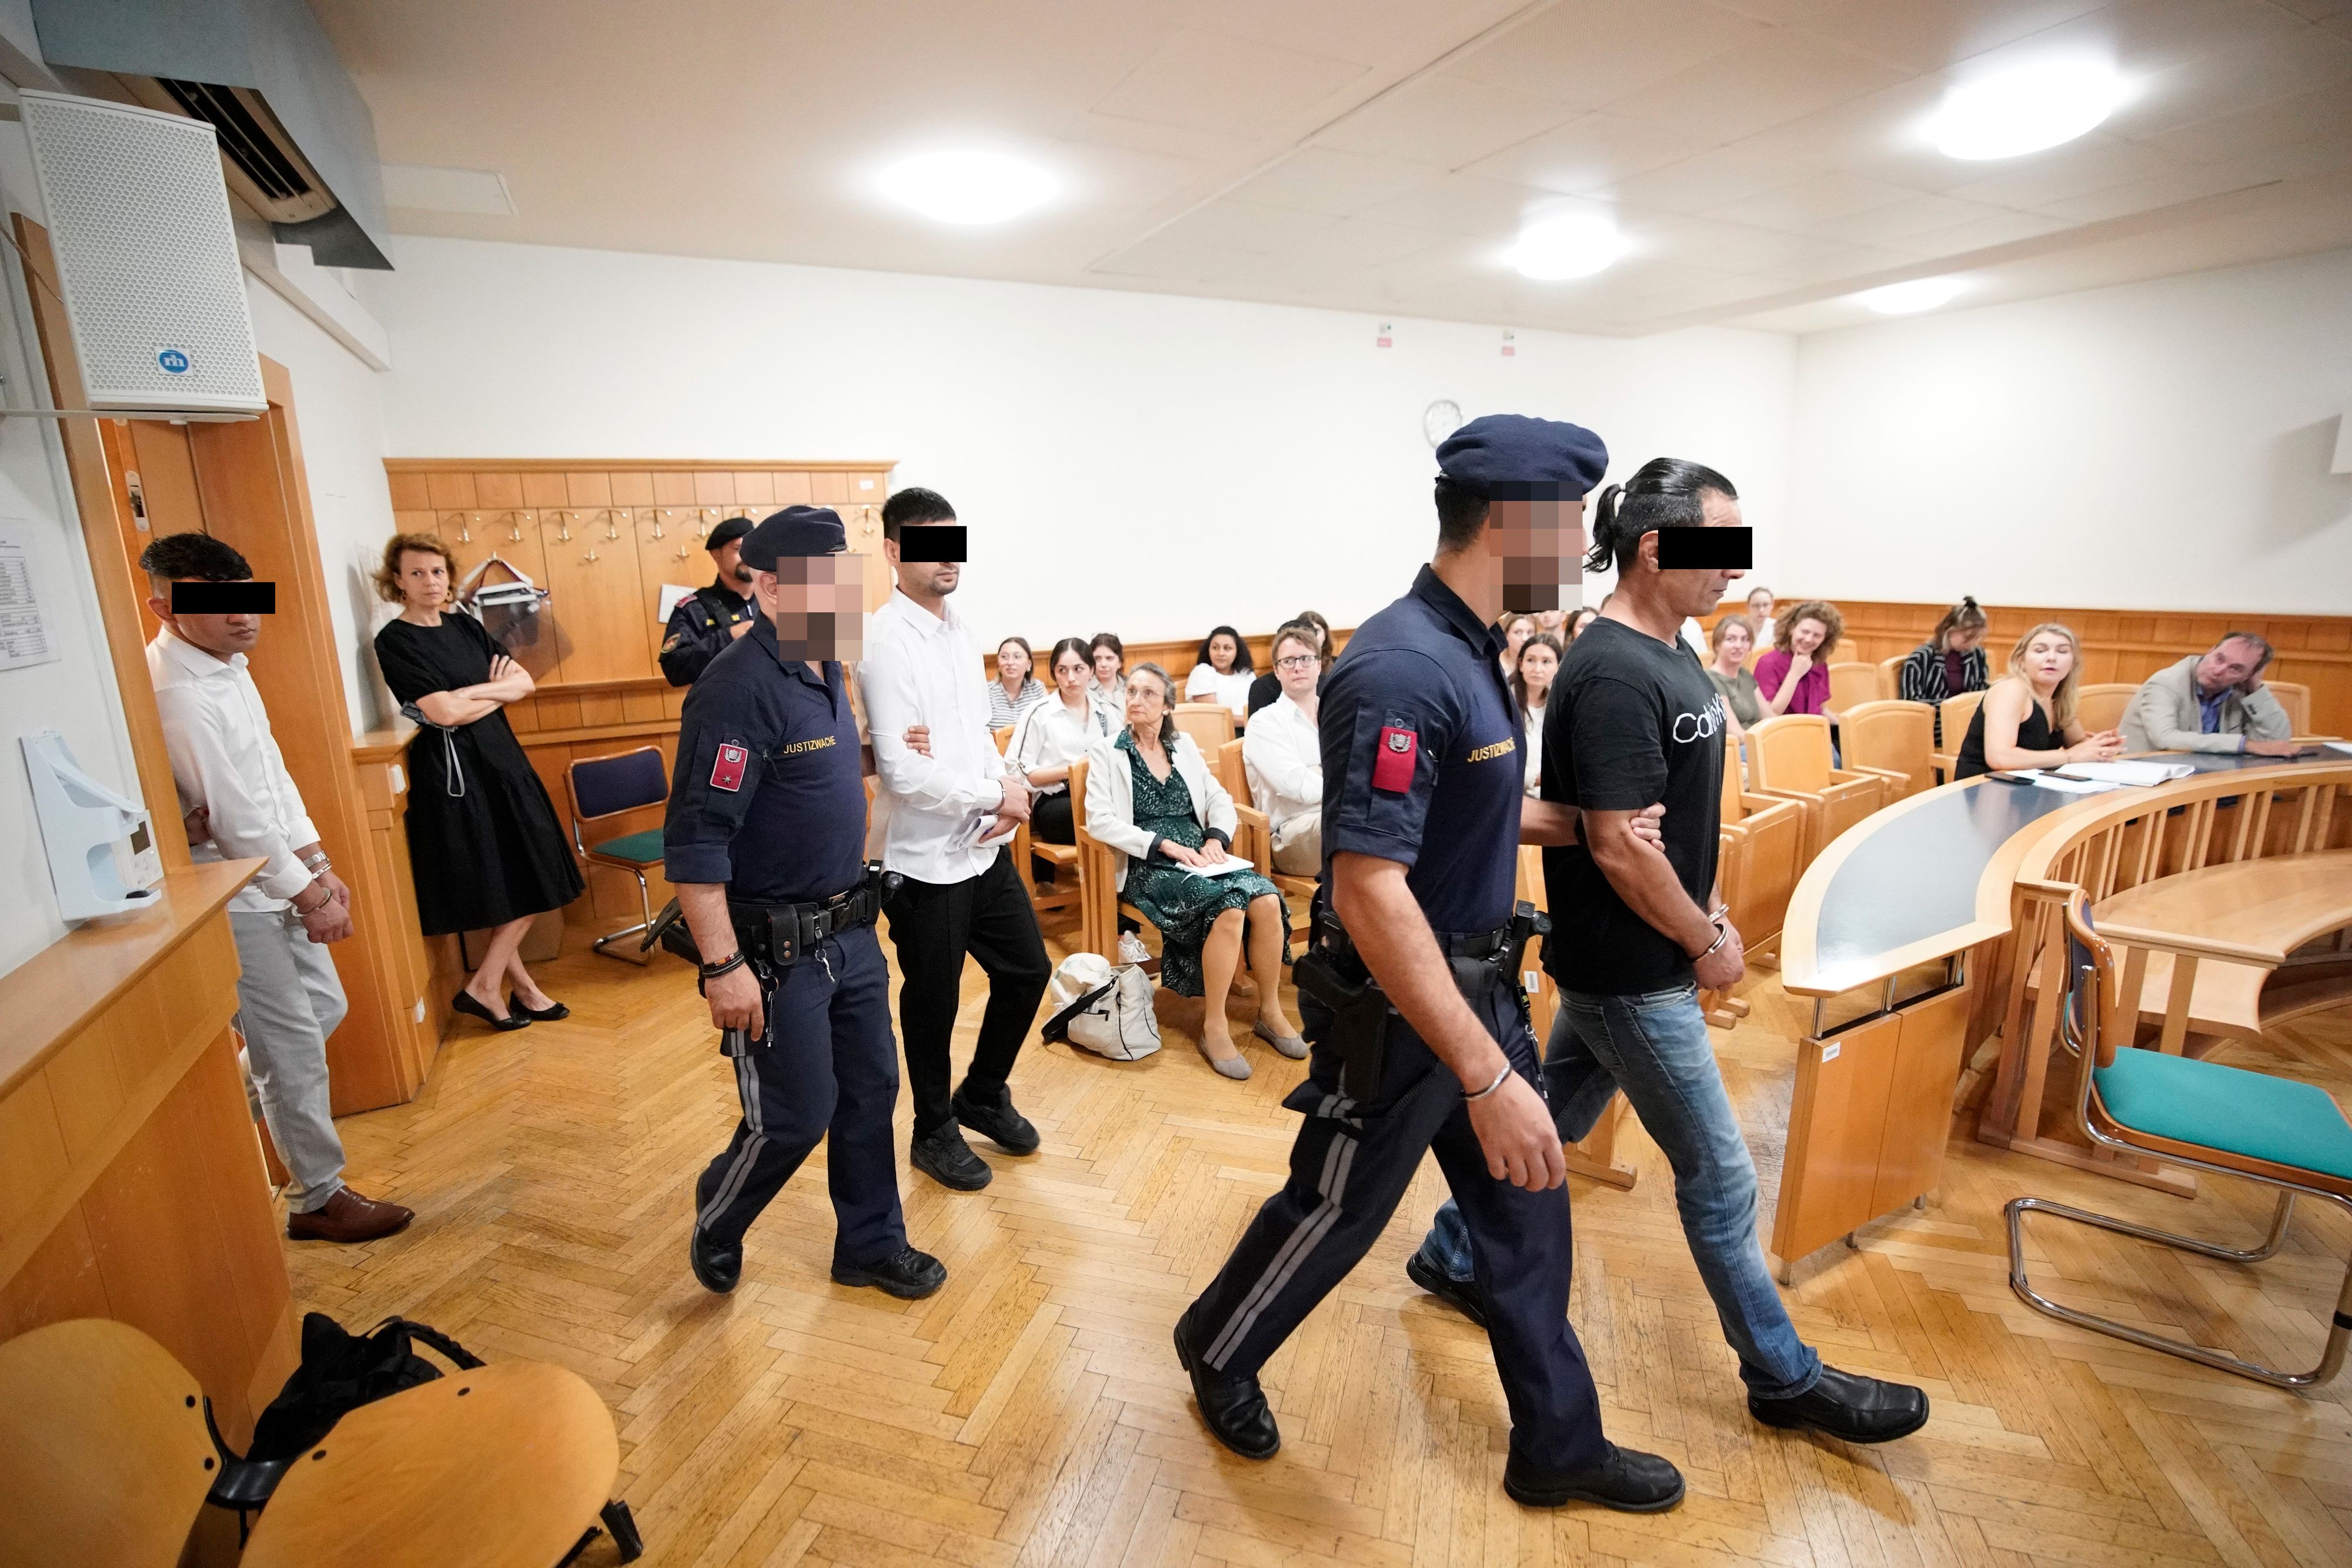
(1633, 721)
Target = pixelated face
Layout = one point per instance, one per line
(818, 604)
(1541, 547)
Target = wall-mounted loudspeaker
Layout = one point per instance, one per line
(146, 255)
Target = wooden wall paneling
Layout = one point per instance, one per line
(669, 550)
(673, 488)
(714, 487)
(792, 489)
(410, 492)
(597, 599)
(113, 570)
(755, 487)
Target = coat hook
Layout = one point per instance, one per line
(563, 527)
(464, 532)
(683, 553)
(514, 528)
(612, 522)
(590, 556)
(659, 513)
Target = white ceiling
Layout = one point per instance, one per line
(1764, 156)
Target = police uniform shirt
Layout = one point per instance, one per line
(770, 795)
(1421, 757)
(699, 630)
(1632, 722)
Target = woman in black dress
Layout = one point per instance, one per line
(484, 843)
(2026, 719)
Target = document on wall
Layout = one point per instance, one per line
(25, 636)
(672, 596)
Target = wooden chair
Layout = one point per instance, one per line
(1893, 739)
(1210, 724)
(1852, 684)
(1027, 851)
(2100, 706)
(1593, 1157)
(1788, 758)
(1890, 678)
(601, 789)
(1099, 904)
(2296, 699)
(2221, 1121)
(1255, 842)
(1763, 853)
(1953, 717)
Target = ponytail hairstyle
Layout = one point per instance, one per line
(1962, 617)
(1663, 493)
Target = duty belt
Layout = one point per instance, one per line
(777, 935)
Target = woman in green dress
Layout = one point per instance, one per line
(1151, 796)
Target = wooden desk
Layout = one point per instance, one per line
(130, 1180)
(2253, 912)
(1930, 880)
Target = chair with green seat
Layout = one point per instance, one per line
(603, 788)
(2211, 1118)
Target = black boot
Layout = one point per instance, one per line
(1626, 1479)
(942, 1155)
(1848, 1406)
(1234, 1407)
(1463, 1295)
(907, 1274)
(991, 1116)
(716, 1264)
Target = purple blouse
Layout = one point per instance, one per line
(1813, 691)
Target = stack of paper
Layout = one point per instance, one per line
(2068, 786)
(2138, 773)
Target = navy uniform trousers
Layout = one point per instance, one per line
(827, 1066)
(1349, 1169)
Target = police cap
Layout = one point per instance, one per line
(1509, 456)
(794, 531)
(727, 533)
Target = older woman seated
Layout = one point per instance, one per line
(1151, 799)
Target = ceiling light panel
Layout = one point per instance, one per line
(2026, 109)
(1910, 298)
(1574, 244)
(968, 188)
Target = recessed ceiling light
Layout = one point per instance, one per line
(1906, 298)
(1573, 245)
(2025, 110)
(968, 187)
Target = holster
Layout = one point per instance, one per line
(1334, 974)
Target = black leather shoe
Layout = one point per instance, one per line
(548, 1014)
(1848, 1406)
(1628, 1480)
(993, 1118)
(718, 1267)
(464, 1002)
(942, 1155)
(1233, 1408)
(907, 1274)
(1463, 1295)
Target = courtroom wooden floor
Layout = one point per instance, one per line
(1032, 1414)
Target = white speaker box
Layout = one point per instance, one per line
(146, 254)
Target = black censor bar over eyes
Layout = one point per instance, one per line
(223, 599)
(931, 541)
(1689, 549)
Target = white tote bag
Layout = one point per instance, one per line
(1103, 1008)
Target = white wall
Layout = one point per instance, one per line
(2158, 445)
(1147, 464)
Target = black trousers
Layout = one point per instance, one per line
(1049, 820)
(826, 1067)
(934, 926)
(1349, 1169)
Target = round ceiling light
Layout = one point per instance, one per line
(968, 188)
(1573, 245)
(1908, 298)
(2026, 109)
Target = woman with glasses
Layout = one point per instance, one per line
(1285, 759)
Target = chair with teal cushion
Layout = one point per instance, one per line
(603, 788)
(2222, 1120)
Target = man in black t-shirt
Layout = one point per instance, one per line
(1634, 722)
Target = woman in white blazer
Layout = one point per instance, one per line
(1151, 800)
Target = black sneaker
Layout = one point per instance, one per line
(1233, 1408)
(942, 1155)
(1463, 1295)
(1627, 1479)
(993, 1118)
(907, 1274)
(1848, 1406)
(718, 1266)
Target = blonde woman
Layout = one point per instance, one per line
(1151, 797)
(2026, 719)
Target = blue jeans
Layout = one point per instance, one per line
(1655, 1048)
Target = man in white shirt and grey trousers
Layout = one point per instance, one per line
(941, 821)
(241, 804)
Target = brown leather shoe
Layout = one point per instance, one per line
(348, 1216)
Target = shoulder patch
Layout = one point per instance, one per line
(727, 769)
(1392, 762)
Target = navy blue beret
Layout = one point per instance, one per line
(728, 530)
(794, 531)
(1509, 456)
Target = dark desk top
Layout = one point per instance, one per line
(1906, 885)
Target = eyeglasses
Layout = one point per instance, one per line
(1297, 662)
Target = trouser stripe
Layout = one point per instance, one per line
(1331, 1182)
(746, 1087)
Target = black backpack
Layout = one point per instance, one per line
(341, 1371)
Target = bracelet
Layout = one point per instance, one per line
(712, 971)
(1490, 1088)
(318, 862)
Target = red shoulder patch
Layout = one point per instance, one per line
(1393, 759)
(727, 769)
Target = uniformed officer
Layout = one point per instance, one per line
(1421, 1040)
(763, 841)
(709, 619)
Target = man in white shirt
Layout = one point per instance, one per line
(232, 782)
(939, 821)
(1283, 755)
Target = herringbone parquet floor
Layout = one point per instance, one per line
(1031, 1415)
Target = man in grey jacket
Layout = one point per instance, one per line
(2213, 703)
